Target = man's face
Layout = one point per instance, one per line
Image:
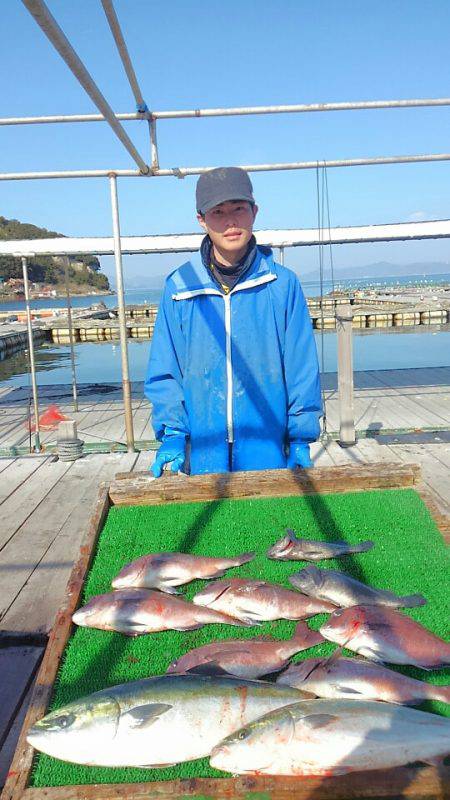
(230, 227)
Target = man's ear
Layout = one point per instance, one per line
(255, 211)
(202, 221)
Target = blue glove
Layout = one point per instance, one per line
(299, 455)
(173, 449)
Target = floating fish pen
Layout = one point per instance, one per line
(141, 321)
(224, 515)
(13, 342)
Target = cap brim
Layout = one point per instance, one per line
(225, 198)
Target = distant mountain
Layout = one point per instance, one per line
(383, 269)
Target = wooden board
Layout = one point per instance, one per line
(139, 488)
(414, 782)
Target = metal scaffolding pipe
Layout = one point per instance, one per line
(69, 320)
(300, 108)
(56, 118)
(122, 317)
(153, 145)
(116, 31)
(182, 172)
(226, 112)
(37, 442)
(50, 27)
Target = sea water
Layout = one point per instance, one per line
(394, 348)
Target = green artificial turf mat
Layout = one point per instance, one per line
(409, 556)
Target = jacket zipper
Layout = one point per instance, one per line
(229, 365)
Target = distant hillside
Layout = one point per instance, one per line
(83, 270)
(384, 269)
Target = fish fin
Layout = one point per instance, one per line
(362, 548)
(250, 615)
(193, 627)
(168, 589)
(244, 558)
(318, 720)
(412, 600)
(132, 629)
(326, 663)
(208, 668)
(347, 690)
(248, 620)
(220, 588)
(371, 654)
(146, 715)
(157, 766)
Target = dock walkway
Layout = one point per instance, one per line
(45, 506)
(386, 401)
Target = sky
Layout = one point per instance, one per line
(238, 53)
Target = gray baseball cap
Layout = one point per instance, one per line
(221, 184)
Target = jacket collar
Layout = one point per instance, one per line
(193, 276)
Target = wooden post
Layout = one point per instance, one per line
(345, 375)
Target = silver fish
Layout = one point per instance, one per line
(164, 571)
(353, 678)
(247, 658)
(136, 611)
(255, 601)
(344, 591)
(155, 722)
(383, 634)
(334, 737)
(290, 548)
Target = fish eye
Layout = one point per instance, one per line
(65, 720)
(242, 734)
(338, 613)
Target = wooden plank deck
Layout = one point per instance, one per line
(45, 507)
(385, 400)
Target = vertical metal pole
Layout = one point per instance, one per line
(37, 441)
(153, 144)
(282, 256)
(345, 375)
(122, 319)
(69, 320)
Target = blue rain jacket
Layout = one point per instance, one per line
(239, 368)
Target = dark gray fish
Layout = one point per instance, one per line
(344, 591)
(290, 548)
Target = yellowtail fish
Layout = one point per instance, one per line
(333, 737)
(155, 722)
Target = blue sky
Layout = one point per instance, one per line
(243, 52)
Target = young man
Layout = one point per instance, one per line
(233, 365)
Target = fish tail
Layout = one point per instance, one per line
(244, 558)
(412, 600)
(441, 693)
(361, 548)
(305, 637)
